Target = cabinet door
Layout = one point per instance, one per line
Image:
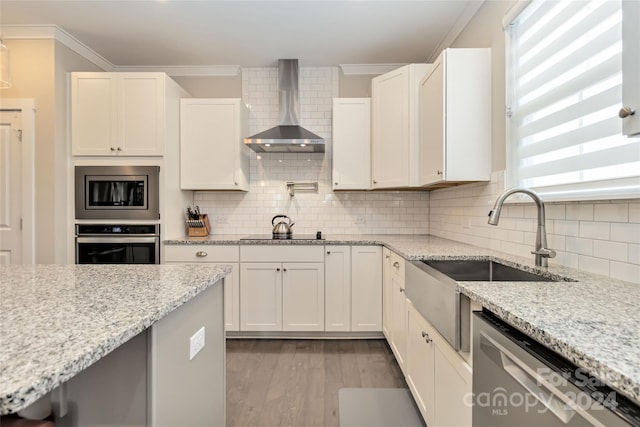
(390, 129)
(631, 65)
(421, 364)
(453, 385)
(93, 114)
(232, 299)
(432, 125)
(398, 311)
(386, 293)
(303, 296)
(366, 288)
(141, 113)
(261, 297)
(351, 143)
(337, 289)
(212, 155)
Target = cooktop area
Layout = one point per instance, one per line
(290, 237)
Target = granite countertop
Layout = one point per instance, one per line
(592, 320)
(56, 320)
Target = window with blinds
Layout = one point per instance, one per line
(564, 62)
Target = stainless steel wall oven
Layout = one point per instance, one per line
(117, 244)
(117, 192)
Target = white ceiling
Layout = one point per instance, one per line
(250, 33)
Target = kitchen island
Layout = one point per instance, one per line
(590, 319)
(63, 325)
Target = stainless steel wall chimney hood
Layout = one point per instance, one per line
(289, 136)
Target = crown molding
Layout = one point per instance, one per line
(188, 70)
(39, 32)
(53, 32)
(368, 69)
(458, 27)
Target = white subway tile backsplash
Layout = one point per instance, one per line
(611, 250)
(593, 265)
(621, 232)
(332, 213)
(595, 236)
(595, 230)
(614, 212)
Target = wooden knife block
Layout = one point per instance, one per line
(199, 227)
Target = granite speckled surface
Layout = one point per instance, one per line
(592, 320)
(56, 320)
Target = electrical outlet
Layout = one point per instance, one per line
(360, 220)
(196, 343)
(221, 219)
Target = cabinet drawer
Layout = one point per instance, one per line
(282, 253)
(201, 253)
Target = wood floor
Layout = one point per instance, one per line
(296, 382)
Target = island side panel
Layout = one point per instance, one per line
(111, 392)
(187, 392)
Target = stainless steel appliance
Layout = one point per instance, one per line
(289, 136)
(519, 382)
(436, 297)
(282, 229)
(117, 244)
(117, 192)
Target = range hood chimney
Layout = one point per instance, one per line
(289, 136)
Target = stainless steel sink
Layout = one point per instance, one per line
(484, 271)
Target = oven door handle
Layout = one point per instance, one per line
(81, 239)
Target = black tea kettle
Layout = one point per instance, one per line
(282, 229)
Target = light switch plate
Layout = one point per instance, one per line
(196, 343)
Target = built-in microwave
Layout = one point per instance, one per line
(117, 192)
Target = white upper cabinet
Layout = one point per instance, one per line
(351, 143)
(122, 114)
(212, 153)
(394, 127)
(455, 118)
(631, 67)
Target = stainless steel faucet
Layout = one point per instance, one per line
(542, 253)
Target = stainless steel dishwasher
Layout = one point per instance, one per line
(519, 382)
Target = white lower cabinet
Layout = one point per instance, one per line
(386, 293)
(366, 288)
(282, 288)
(398, 310)
(353, 289)
(217, 254)
(439, 379)
(337, 274)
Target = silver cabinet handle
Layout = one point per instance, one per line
(375, 182)
(201, 254)
(401, 290)
(335, 183)
(277, 269)
(626, 112)
(112, 149)
(439, 172)
(235, 183)
(396, 264)
(284, 269)
(119, 149)
(328, 252)
(426, 337)
(387, 256)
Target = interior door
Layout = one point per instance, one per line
(10, 188)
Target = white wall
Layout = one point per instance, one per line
(330, 212)
(600, 237)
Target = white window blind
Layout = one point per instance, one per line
(564, 92)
